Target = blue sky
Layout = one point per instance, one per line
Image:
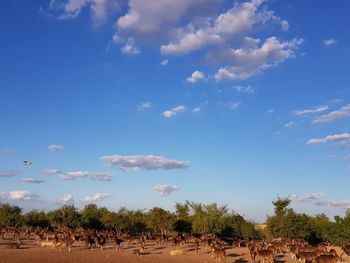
(126, 103)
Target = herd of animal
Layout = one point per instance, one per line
(265, 251)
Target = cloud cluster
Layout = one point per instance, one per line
(330, 42)
(106, 177)
(174, 111)
(195, 77)
(98, 197)
(74, 175)
(145, 105)
(20, 195)
(341, 113)
(243, 89)
(9, 173)
(320, 199)
(343, 138)
(55, 148)
(224, 35)
(143, 162)
(165, 190)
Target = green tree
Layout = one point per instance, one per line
(36, 218)
(10, 215)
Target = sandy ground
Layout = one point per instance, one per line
(29, 252)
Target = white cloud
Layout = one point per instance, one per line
(164, 62)
(343, 138)
(174, 111)
(252, 59)
(270, 111)
(141, 162)
(55, 148)
(233, 105)
(242, 89)
(98, 197)
(290, 124)
(107, 177)
(195, 77)
(197, 110)
(74, 175)
(51, 171)
(317, 109)
(342, 113)
(20, 195)
(284, 25)
(130, 48)
(9, 173)
(330, 42)
(165, 190)
(145, 105)
(32, 180)
(66, 199)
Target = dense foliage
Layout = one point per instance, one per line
(286, 223)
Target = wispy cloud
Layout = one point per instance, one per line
(164, 62)
(145, 105)
(289, 124)
(9, 173)
(141, 162)
(317, 109)
(130, 48)
(55, 148)
(174, 111)
(233, 105)
(343, 138)
(165, 190)
(342, 113)
(32, 180)
(98, 197)
(244, 89)
(74, 175)
(52, 171)
(197, 110)
(106, 177)
(330, 42)
(320, 199)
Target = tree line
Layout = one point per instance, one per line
(189, 217)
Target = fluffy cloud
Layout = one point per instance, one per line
(107, 177)
(165, 190)
(55, 148)
(174, 111)
(330, 42)
(9, 173)
(98, 197)
(343, 138)
(18, 195)
(342, 113)
(66, 199)
(140, 162)
(253, 58)
(32, 180)
(195, 77)
(320, 199)
(290, 124)
(74, 175)
(242, 89)
(317, 109)
(130, 48)
(164, 62)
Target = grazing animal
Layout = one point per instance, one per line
(14, 245)
(219, 254)
(117, 242)
(266, 255)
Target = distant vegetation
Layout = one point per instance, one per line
(189, 217)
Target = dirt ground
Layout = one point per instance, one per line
(30, 252)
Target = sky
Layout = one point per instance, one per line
(141, 104)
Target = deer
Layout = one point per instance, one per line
(218, 253)
(264, 255)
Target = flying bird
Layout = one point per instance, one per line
(27, 163)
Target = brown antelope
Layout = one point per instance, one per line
(14, 245)
(63, 242)
(307, 256)
(219, 254)
(264, 255)
(117, 242)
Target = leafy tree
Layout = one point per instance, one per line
(159, 219)
(91, 216)
(36, 218)
(66, 216)
(10, 215)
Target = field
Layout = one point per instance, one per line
(30, 252)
